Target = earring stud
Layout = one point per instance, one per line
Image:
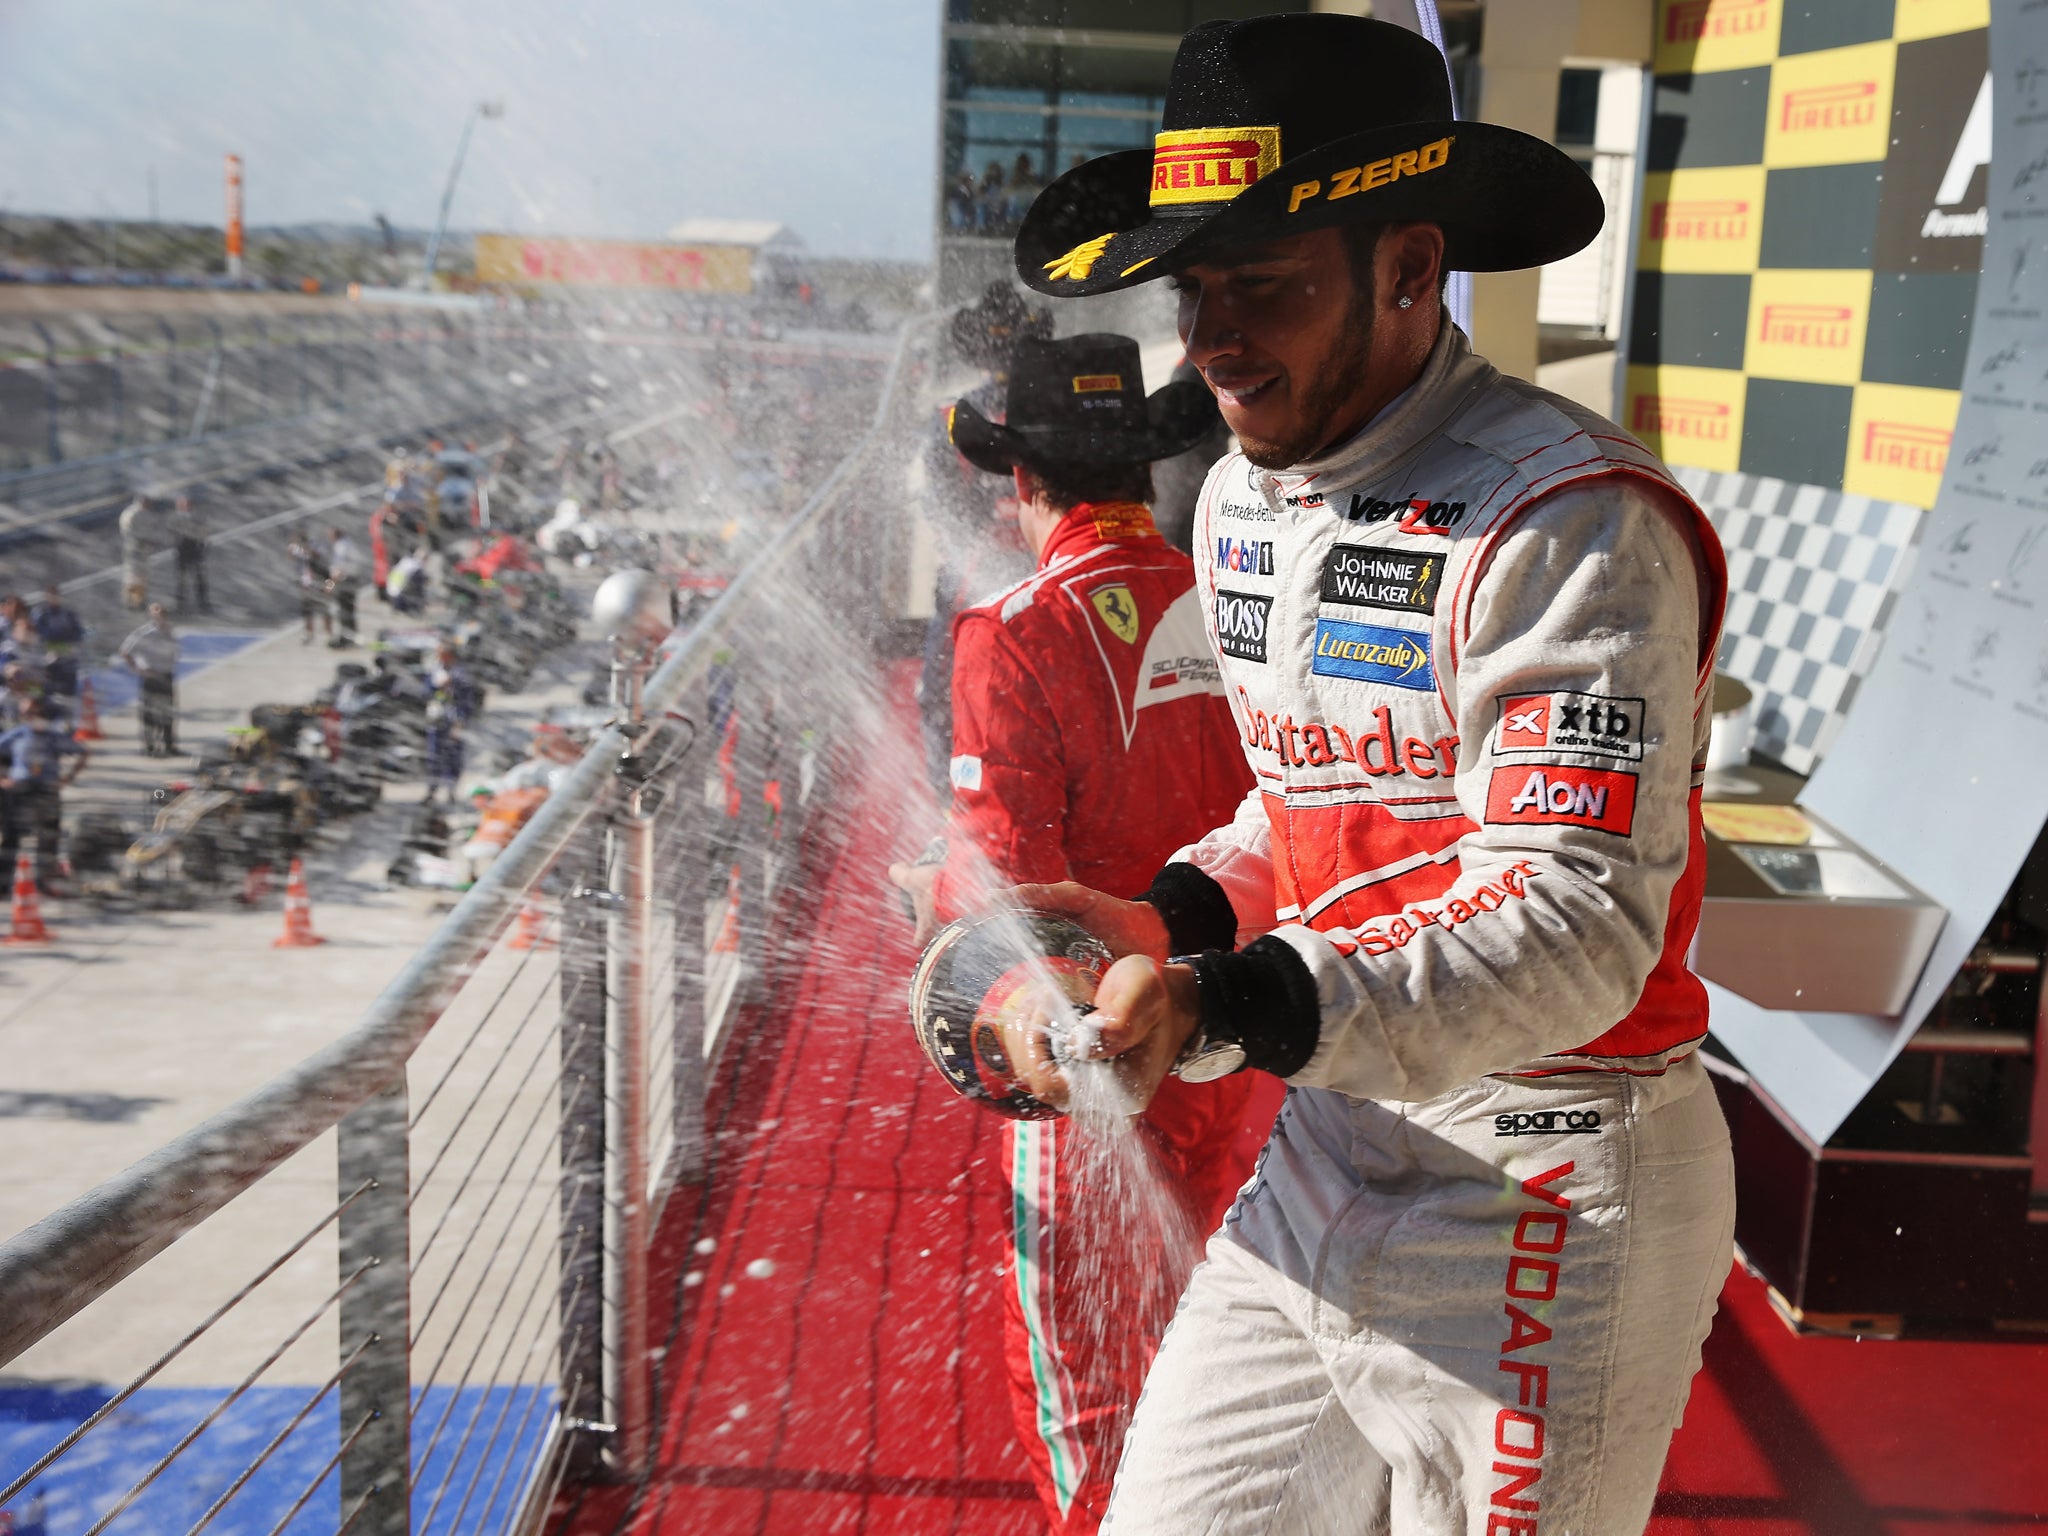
(1404, 302)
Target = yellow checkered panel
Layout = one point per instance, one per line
(1811, 228)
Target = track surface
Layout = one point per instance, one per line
(856, 1386)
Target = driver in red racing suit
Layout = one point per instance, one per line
(1091, 738)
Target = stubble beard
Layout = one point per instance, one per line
(1323, 397)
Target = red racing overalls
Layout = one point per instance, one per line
(1091, 738)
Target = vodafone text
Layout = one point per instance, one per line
(1515, 1509)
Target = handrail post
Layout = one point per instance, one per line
(632, 972)
(583, 1281)
(629, 975)
(691, 883)
(376, 1314)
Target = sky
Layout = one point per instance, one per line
(621, 116)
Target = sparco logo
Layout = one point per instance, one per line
(1241, 624)
(1248, 557)
(1549, 1122)
(1418, 513)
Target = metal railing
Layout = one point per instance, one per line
(462, 1313)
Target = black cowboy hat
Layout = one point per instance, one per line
(1284, 124)
(1081, 401)
(987, 331)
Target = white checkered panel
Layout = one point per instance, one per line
(1813, 576)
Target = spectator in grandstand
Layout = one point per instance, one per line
(19, 687)
(24, 659)
(380, 548)
(406, 587)
(309, 562)
(971, 515)
(344, 581)
(1022, 187)
(62, 632)
(38, 758)
(1090, 734)
(141, 527)
(188, 543)
(960, 203)
(456, 471)
(151, 653)
(513, 458)
(453, 700)
(990, 200)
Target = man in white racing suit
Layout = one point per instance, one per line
(1469, 655)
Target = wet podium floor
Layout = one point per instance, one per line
(833, 1355)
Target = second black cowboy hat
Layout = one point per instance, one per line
(1081, 401)
(1281, 125)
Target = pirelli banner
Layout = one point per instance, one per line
(1813, 219)
(532, 261)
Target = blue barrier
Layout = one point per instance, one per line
(471, 1481)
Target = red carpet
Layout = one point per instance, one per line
(835, 1365)
(1789, 1436)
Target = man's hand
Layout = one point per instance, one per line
(1127, 927)
(917, 881)
(1144, 1015)
(1147, 1013)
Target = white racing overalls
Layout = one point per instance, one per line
(1467, 1288)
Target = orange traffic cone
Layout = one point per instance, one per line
(27, 918)
(298, 913)
(529, 933)
(88, 715)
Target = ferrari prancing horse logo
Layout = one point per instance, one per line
(1114, 606)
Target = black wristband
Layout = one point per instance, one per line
(1197, 914)
(1264, 999)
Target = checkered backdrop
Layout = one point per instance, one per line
(1813, 575)
(1812, 225)
(1806, 269)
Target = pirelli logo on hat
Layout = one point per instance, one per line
(1210, 165)
(1098, 383)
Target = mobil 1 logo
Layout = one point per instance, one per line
(1372, 577)
(1241, 624)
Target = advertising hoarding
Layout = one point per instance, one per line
(542, 261)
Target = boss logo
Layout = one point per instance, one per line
(1549, 1122)
(1241, 624)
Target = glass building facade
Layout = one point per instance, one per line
(1031, 88)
